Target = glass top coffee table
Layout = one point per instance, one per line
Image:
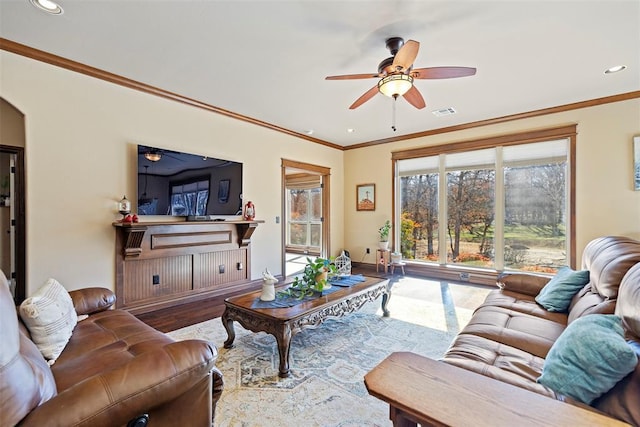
(284, 322)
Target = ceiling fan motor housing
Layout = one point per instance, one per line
(394, 44)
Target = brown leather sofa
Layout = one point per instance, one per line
(509, 335)
(113, 370)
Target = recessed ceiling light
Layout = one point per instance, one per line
(351, 130)
(309, 132)
(48, 6)
(615, 69)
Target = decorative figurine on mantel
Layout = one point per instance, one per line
(268, 288)
(249, 211)
(124, 207)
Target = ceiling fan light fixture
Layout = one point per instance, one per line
(152, 156)
(395, 85)
(48, 6)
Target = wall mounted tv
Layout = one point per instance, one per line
(182, 184)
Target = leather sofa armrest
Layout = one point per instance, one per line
(92, 300)
(527, 284)
(116, 396)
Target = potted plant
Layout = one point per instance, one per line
(314, 278)
(383, 232)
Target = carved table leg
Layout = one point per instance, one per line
(283, 338)
(385, 300)
(231, 333)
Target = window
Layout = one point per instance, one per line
(494, 206)
(305, 217)
(190, 198)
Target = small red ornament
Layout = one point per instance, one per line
(249, 211)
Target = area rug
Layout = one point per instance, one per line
(328, 364)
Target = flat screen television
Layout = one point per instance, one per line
(183, 184)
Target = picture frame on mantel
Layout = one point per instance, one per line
(636, 163)
(366, 197)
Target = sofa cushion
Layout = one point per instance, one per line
(532, 334)
(608, 259)
(557, 294)
(498, 361)
(589, 358)
(50, 317)
(26, 380)
(521, 302)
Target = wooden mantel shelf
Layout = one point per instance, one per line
(160, 264)
(134, 231)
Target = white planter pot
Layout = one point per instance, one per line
(383, 245)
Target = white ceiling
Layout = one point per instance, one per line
(267, 59)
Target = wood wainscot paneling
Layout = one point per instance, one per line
(162, 264)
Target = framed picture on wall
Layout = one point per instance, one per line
(366, 197)
(636, 163)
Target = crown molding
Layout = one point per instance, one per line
(58, 61)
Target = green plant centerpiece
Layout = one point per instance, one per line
(314, 278)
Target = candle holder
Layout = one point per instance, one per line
(124, 207)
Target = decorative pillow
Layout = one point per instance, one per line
(50, 317)
(588, 358)
(556, 295)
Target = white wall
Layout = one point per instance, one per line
(81, 136)
(606, 203)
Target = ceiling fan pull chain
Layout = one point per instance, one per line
(393, 113)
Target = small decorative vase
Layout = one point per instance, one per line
(323, 277)
(383, 245)
(396, 257)
(268, 290)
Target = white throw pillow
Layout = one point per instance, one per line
(50, 317)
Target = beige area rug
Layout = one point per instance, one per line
(328, 363)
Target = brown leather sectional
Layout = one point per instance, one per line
(114, 369)
(509, 335)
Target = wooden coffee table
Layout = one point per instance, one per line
(284, 323)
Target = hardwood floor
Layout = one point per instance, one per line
(182, 315)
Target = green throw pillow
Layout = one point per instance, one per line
(556, 295)
(588, 358)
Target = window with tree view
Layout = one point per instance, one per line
(503, 207)
(305, 218)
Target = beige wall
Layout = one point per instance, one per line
(606, 203)
(81, 134)
(80, 154)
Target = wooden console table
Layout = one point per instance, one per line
(160, 264)
(424, 391)
(284, 323)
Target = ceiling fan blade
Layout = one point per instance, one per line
(365, 97)
(414, 98)
(442, 72)
(353, 77)
(406, 55)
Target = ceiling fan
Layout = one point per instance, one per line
(397, 74)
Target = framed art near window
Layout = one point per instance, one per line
(366, 197)
(636, 163)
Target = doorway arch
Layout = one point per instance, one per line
(12, 143)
